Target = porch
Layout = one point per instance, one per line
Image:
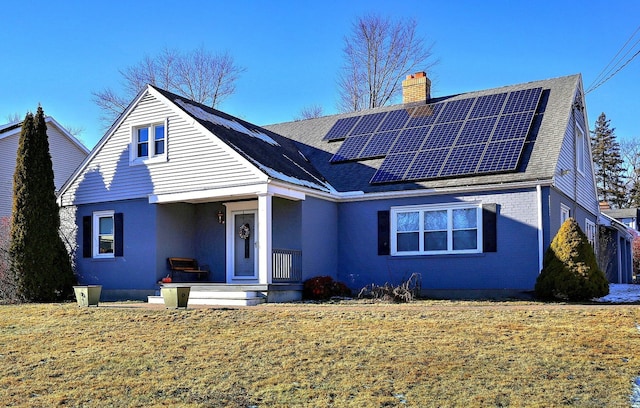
(240, 237)
(222, 294)
(285, 286)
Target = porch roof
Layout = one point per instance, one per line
(228, 193)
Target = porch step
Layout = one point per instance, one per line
(218, 298)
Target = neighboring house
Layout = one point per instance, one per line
(467, 190)
(66, 155)
(616, 248)
(627, 216)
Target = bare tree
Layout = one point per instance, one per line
(199, 75)
(630, 153)
(310, 112)
(14, 117)
(378, 54)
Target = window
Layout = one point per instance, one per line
(565, 213)
(149, 143)
(436, 229)
(580, 148)
(103, 234)
(590, 231)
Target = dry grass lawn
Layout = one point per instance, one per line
(425, 354)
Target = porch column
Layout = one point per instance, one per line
(265, 262)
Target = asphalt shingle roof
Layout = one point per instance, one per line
(275, 155)
(538, 161)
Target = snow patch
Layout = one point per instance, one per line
(621, 293)
(635, 393)
(200, 113)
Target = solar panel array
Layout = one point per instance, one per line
(479, 135)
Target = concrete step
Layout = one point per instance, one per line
(217, 299)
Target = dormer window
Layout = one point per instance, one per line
(149, 143)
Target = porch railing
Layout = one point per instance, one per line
(287, 265)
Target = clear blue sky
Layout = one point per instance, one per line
(57, 53)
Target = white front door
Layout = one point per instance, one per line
(244, 248)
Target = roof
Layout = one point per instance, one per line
(273, 154)
(537, 163)
(15, 127)
(622, 213)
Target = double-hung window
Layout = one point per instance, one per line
(590, 232)
(436, 229)
(565, 213)
(103, 234)
(149, 143)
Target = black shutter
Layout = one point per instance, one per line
(118, 221)
(489, 228)
(384, 233)
(87, 238)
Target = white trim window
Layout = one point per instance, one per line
(565, 213)
(580, 149)
(103, 234)
(436, 229)
(590, 231)
(149, 143)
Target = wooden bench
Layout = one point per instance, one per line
(187, 265)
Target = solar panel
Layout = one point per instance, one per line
(522, 101)
(341, 128)
(393, 168)
(488, 105)
(501, 156)
(379, 145)
(424, 115)
(427, 164)
(477, 135)
(462, 160)
(410, 140)
(394, 120)
(368, 124)
(455, 110)
(442, 135)
(476, 131)
(350, 148)
(514, 126)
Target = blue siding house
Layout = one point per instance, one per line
(467, 190)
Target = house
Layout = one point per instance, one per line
(467, 190)
(66, 155)
(616, 248)
(627, 216)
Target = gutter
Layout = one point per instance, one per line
(353, 196)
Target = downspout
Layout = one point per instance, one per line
(540, 235)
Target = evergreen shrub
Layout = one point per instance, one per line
(570, 270)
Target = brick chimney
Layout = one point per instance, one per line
(416, 88)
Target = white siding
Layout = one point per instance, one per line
(8, 150)
(66, 156)
(577, 185)
(196, 161)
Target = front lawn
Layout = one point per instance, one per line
(428, 353)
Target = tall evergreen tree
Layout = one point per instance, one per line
(40, 262)
(607, 163)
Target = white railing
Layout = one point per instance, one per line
(287, 265)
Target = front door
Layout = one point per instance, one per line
(244, 248)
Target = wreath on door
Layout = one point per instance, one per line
(245, 231)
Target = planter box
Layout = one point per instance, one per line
(175, 297)
(88, 295)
